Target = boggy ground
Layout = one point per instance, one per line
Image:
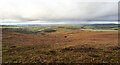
(74, 46)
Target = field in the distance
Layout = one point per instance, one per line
(60, 44)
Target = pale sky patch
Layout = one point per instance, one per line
(53, 11)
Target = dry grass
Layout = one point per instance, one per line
(78, 47)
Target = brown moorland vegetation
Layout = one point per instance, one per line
(75, 46)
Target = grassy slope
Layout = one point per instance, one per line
(79, 47)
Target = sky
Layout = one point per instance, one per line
(58, 11)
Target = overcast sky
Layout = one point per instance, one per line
(58, 11)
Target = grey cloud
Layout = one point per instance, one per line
(57, 10)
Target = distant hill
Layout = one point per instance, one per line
(59, 24)
(103, 24)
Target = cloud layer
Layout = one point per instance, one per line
(57, 10)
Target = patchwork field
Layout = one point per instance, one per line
(60, 44)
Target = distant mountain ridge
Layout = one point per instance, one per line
(57, 24)
(104, 24)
